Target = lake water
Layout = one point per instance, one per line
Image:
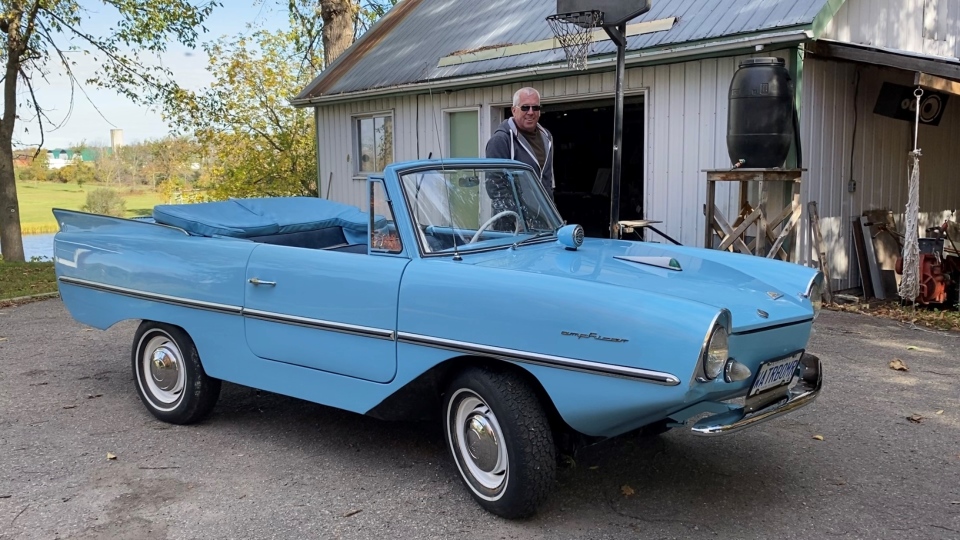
(38, 245)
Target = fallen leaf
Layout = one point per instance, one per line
(818, 437)
(111, 456)
(627, 490)
(940, 411)
(911, 348)
(898, 365)
(916, 419)
(69, 406)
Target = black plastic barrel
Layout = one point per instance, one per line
(760, 119)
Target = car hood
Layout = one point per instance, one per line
(758, 292)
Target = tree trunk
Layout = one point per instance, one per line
(11, 238)
(339, 24)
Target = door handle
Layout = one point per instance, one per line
(256, 281)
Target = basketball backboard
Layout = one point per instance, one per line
(615, 12)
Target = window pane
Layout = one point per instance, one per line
(383, 227)
(384, 139)
(464, 134)
(365, 134)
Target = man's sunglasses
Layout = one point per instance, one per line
(525, 108)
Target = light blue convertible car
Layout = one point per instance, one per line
(460, 293)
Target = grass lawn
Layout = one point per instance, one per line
(38, 198)
(26, 279)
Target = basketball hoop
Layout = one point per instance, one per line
(574, 31)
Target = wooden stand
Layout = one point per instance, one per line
(768, 232)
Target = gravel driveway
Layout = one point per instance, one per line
(267, 466)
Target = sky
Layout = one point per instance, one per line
(96, 113)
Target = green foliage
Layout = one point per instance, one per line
(257, 144)
(42, 36)
(77, 173)
(105, 201)
(37, 170)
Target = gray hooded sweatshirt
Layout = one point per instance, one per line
(507, 143)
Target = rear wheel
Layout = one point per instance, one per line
(501, 441)
(169, 377)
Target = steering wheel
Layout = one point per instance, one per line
(494, 218)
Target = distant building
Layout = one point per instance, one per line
(60, 157)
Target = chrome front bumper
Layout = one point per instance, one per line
(805, 390)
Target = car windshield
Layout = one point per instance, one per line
(477, 208)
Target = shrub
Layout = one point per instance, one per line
(105, 201)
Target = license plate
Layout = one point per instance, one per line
(775, 373)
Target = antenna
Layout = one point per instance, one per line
(436, 129)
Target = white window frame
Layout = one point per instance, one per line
(445, 136)
(355, 140)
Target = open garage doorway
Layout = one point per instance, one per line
(583, 135)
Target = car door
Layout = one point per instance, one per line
(334, 311)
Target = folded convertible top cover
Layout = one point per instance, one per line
(243, 218)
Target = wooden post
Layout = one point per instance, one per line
(822, 255)
(749, 217)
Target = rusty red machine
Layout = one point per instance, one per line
(939, 267)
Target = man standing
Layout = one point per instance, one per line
(523, 139)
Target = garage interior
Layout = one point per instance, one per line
(583, 137)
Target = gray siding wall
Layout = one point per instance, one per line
(686, 132)
(920, 26)
(834, 104)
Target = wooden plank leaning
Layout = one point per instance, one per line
(821, 254)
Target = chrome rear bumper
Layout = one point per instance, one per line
(804, 391)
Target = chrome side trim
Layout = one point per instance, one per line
(166, 299)
(771, 327)
(318, 324)
(514, 355)
(236, 310)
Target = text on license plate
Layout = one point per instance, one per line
(775, 373)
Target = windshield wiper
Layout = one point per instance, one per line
(529, 239)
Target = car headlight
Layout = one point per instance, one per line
(815, 294)
(716, 354)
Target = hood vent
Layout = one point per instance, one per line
(660, 262)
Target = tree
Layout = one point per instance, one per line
(77, 172)
(258, 143)
(105, 201)
(37, 171)
(37, 37)
(335, 23)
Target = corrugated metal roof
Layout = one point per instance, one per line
(407, 49)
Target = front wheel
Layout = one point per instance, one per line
(501, 441)
(169, 377)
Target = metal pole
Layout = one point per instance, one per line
(618, 35)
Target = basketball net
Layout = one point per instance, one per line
(574, 31)
(909, 287)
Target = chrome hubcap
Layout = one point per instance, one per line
(482, 443)
(163, 369)
(478, 440)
